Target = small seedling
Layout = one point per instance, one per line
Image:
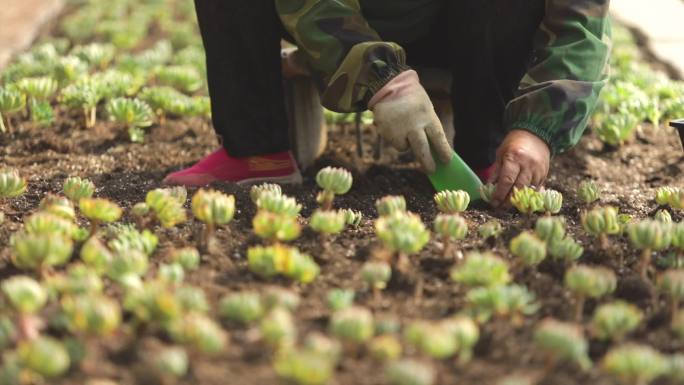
(326, 224)
(376, 274)
(389, 205)
(275, 202)
(490, 230)
(649, 236)
(452, 202)
(550, 229)
(451, 228)
(323, 346)
(26, 297)
(487, 192)
(588, 192)
(275, 228)
(289, 262)
(11, 102)
(12, 185)
(96, 255)
(602, 222)
(199, 333)
(132, 114)
(84, 96)
(567, 250)
(278, 329)
(634, 364)
(562, 342)
(256, 191)
(527, 200)
(678, 243)
(614, 321)
(76, 188)
(39, 90)
(663, 216)
(353, 325)
(187, 257)
(466, 333)
(99, 211)
(587, 282)
(44, 356)
(385, 348)
(339, 299)
(40, 251)
(166, 207)
(530, 250)
(58, 206)
(553, 201)
(617, 129)
(353, 218)
(275, 296)
(481, 270)
(333, 181)
(410, 372)
(91, 314)
(184, 78)
(244, 308)
(511, 302)
(432, 339)
(671, 285)
(304, 367)
(214, 209)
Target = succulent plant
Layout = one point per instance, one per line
(389, 205)
(214, 209)
(132, 114)
(92, 314)
(617, 129)
(663, 195)
(671, 285)
(38, 88)
(256, 191)
(410, 372)
(528, 248)
(24, 294)
(589, 282)
(466, 333)
(171, 273)
(490, 229)
(481, 270)
(512, 302)
(278, 329)
(76, 188)
(126, 238)
(58, 206)
(275, 296)
(287, 261)
(487, 192)
(11, 102)
(83, 96)
(634, 364)
(352, 218)
(44, 356)
(44, 223)
(79, 279)
(324, 346)
(244, 308)
(171, 362)
(99, 211)
(333, 181)
(353, 325)
(40, 251)
(527, 200)
(566, 250)
(12, 184)
(402, 232)
(602, 222)
(553, 201)
(338, 299)
(452, 202)
(304, 367)
(563, 342)
(649, 236)
(588, 192)
(187, 257)
(97, 55)
(198, 332)
(275, 202)
(614, 321)
(96, 255)
(376, 274)
(451, 227)
(328, 222)
(191, 299)
(128, 264)
(69, 69)
(385, 348)
(184, 78)
(276, 228)
(677, 231)
(550, 229)
(432, 339)
(663, 216)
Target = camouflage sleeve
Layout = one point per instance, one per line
(570, 66)
(346, 55)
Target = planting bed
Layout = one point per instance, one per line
(124, 172)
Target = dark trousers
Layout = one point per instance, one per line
(487, 45)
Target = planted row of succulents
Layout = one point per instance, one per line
(93, 71)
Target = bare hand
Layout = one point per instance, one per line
(522, 160)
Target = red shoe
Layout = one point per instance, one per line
(221, 167)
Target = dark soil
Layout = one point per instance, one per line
(124, 172)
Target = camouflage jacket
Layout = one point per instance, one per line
(554, 100)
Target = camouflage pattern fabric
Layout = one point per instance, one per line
(555, 98)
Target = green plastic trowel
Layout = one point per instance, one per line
(456, 175)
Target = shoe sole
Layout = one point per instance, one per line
(295, 178)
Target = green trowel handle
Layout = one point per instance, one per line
(456, 175)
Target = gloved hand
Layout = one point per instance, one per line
(406, 118)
